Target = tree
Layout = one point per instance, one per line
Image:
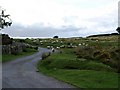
(118, 30)
(55, 37)
(5, 20)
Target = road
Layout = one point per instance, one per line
(21, 73)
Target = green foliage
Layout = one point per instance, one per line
(3, 17)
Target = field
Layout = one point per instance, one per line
(81, 73)
(90, 62)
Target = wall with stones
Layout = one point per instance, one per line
(13, 48)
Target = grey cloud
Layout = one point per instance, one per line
(39, 30)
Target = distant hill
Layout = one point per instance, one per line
(103, 35)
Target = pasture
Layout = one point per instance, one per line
(83, 62)
(90, 62)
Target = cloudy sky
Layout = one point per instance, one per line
(65, 18)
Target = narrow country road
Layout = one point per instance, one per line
(21, 73)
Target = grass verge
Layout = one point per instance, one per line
(9, 57)
(84, 78)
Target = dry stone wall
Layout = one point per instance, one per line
(13, 48)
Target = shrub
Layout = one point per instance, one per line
(107, 56)
(84, 52)
(115, 54)
(45, 55)
(102, 55)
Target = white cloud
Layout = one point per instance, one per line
(96, 15)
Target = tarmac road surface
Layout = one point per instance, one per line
(21, 73)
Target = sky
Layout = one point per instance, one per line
(64, 18)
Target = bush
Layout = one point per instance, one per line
(107, 56)
(84, 52)
(45, 55)
(101, 55)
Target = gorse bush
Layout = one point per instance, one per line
(106, 56)
(84, 52)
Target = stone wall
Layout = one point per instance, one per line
(13, 48)
(9, 46)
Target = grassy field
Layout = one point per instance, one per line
(92, 63)
(81, 73)
(68, 60)
(9, 57)
(84, 78)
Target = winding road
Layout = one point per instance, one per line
(21, 73)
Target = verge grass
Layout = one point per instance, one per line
(84, 78)
(9, 57)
